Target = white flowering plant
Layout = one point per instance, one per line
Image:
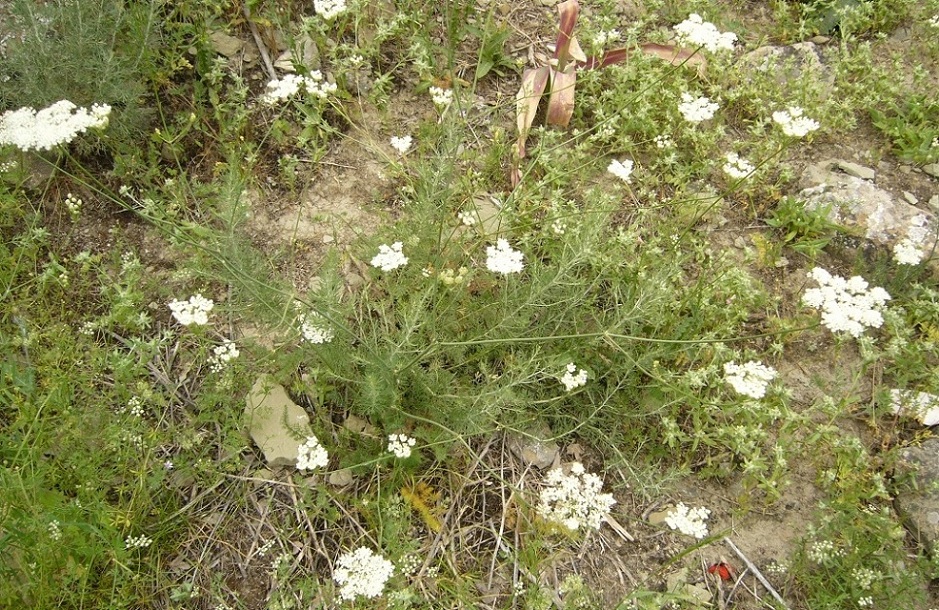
(572, 498)
(362, 573)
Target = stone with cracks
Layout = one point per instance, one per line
(918, 506)
(276, 424)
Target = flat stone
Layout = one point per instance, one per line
(340, 478)
(910, 198)
(275, 423)
(306, 55)
(859, 204)
(934, 203)
(789, 65)
(932, 169)
(854, 169)
(226, 45)
(532, 449)
(918, 506)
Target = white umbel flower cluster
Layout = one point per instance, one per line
(291, 84)
(736, 166)
(194, 311)
(750, 378)
(29, 129)
(621, 169)
(400, 445)
(222, 355)
(847, 306)
(911, 250)
(695, 32)
(313, 328)
(793, 122)
(401, 144)
(441, 97)
(690, 521)
(390, 257)
(362, 572)
(501, 258)
(312, 454)
(574, 500)
(329, 9)
(573, 378)
(696, 109)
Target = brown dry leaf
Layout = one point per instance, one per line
(534, 81)
(561, 100)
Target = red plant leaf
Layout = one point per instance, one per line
(534, 81)
(568, 11)
(561, 101)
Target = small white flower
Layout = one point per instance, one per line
(400, 445)
(441, 97)
(402, 144)
(389, 257)
(501, 258)
(933, 21)
(291, 84)
(750, 378)
(329, 9)
(194, 311)
(847, 305)
(696, 32)
(621, 169)
(313, 328)
(467, 218)
(362, 572)
(737, 167)
(603, 37)
(793, 123)
(696, 109)
(222, 355)
(311, 454)
(663, 141)
(574, 500)
(690, 521)
(573, 378)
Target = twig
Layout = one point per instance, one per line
(756, 572)
(268, 66)
(619, 529)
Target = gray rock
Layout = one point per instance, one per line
(226, 45)
(853, 169)
(276, 423)
(910, 198)
(932, 169)
(790, 64)
(858, 204)
(934, 203)
(340, 478)
(919, 507)
(533, 449)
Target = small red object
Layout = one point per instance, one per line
(724, 570)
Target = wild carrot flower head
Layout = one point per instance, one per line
(329, 9)
(793, 122)
(194, 311)
(572, 378)
(28, 129)
(401, 144)
(501, 258)
(847, 306)
(750, 379)
(291, 84)
(695, 32)
(312, 454)
(696, 109)
(573, 499)
(621, 169)
(690, 521)
(389, 257)
(362, 572)
(400, 445)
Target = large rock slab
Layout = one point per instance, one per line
(919, 507)
(860, 205)
(790, 65)
(276, 424)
